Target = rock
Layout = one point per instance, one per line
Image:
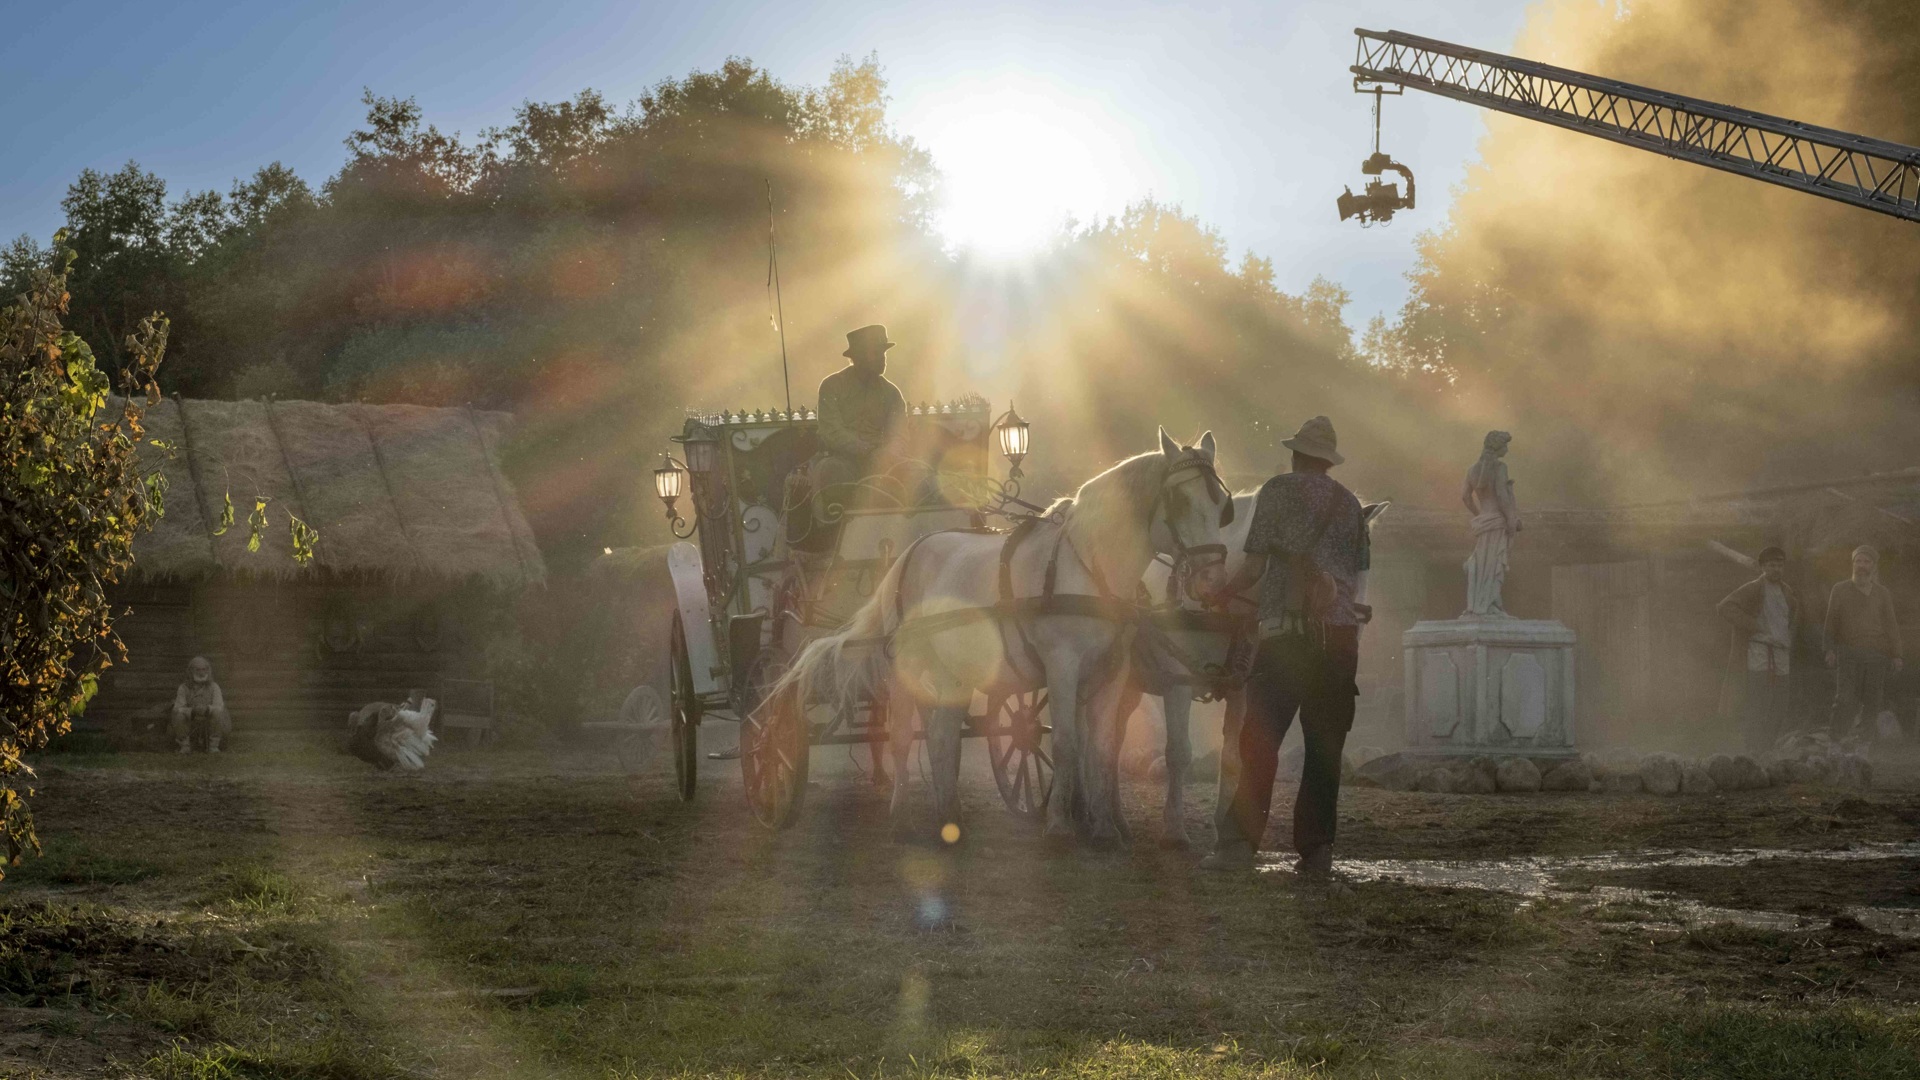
(1852, 771)
(1366, 754)
(1596, 787)
(1622, 783)
(1750, 774)
(1779, 772)
(1517, 774)
(1393, 772)
(1620, 759)
(1293, 762)
(1725, 775)
(1438, 779)
(1575, 775)
(1476, 780)
(1347, 767)
(1660, 774)
(1695, 780)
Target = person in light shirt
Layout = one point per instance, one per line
(1764, 614)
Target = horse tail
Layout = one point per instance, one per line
(824, 672)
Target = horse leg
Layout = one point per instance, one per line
(1064, 707)
(944, 726)
(1229, 776)
(902, 713)
(1177, 705)
(1110, 710)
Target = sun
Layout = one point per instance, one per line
(1018, 161)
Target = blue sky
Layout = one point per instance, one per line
(1241, 112)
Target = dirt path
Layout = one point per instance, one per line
(515, 914)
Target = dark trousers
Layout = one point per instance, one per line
(1859, 688)
(1763, 710)
(1292, 673)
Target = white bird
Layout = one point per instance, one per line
(389, 736)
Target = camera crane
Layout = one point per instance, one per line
(1870, 173)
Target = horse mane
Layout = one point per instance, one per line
(1114, 504)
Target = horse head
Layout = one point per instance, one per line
(1190, 511)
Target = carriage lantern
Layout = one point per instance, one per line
(701, 450)
(1013, 433)
(670, 482)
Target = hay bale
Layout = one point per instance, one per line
(1366, 754)
(1575, 775)
(1695, 780)
(1660, 774)
(1438, 779)
(1779, 772)
(1517, 775)
(1750, 774)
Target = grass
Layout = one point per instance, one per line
(512, 915)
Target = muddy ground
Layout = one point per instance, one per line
(287, 912)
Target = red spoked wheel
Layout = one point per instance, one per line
(774, 745)
(1019, 744)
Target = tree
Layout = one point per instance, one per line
(72, 498)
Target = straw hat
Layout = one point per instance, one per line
(1315, 439)
(868, 337)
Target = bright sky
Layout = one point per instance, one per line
(1238, 111)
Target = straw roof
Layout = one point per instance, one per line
(394, 490)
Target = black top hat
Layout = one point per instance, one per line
(867, 337)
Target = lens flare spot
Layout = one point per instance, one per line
(950, 833)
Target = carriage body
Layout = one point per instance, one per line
(767, 573)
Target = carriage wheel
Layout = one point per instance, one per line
(1020, 747)
(774, 746)
(685, 721)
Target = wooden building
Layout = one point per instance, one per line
(420, 540)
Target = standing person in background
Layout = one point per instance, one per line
(1863, 643)
(1764, 614)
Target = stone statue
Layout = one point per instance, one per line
(1488, 495)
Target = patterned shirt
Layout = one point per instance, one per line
(1286, 513)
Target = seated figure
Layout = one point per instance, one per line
(199, 701)
(861, 412)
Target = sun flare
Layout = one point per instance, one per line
(1018, 161)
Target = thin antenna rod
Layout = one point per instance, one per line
(780, 311)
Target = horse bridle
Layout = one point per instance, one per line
(1192, 559)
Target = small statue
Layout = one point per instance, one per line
(1488, 495)
(199, 701)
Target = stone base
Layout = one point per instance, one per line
(1489, 686)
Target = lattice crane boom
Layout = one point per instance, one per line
(1870, 173)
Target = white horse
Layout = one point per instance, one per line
(1163, 587)
(944, 632)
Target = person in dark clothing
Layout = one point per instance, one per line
(1307, 546)
(1863, 643)
(1764, 614)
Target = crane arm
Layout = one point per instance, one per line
(1865, 172)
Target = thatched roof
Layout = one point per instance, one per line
(394, 490)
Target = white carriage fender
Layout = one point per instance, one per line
(690, 593)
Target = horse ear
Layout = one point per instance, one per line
(1168, 448)
(1373, 510)
(1205, 446)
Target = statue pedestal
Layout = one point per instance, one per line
(1498, 686)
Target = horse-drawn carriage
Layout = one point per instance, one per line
(778, 564)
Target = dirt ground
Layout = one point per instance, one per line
(288, 912)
